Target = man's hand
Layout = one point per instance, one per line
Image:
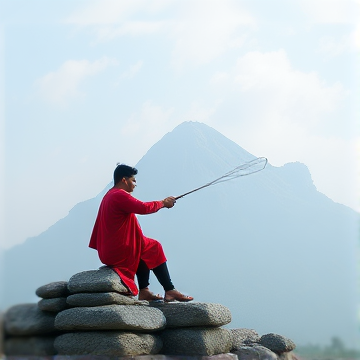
(169, 202)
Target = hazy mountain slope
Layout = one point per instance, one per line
(278, 253)
(54, 255)
(268, 244)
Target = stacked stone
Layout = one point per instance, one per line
(247, 344)
(93, 314)
(30, 328)
(29, 331)
(53, 296)
(103, 320)
(194, 329)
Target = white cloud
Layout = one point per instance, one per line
(283, 92)
(132, 71)
(151, 116)
(132, 28)
(110, 19)
(334, 46)
(201, 30)
(200, 113)
(332, 11)
(335, 12)
(61, 86)
(205, 30)
(105, 12)
(147, 126)
(356, 36)
(219, 77)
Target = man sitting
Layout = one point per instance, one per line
(121, 245)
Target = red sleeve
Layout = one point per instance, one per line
(129, 204)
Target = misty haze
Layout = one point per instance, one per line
(269, 246)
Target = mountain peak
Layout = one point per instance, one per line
(206, 136)
(195, 153)
(298, 175)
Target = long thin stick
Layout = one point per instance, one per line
(201, 187)
(247, 168)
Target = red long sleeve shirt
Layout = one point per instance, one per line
(118, 238)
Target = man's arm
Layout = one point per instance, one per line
(129, 204)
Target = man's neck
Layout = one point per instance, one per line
(120, 186)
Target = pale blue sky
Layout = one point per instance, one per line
(86, 84)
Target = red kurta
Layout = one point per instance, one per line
(118, 238)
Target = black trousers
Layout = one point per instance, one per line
(161, 272)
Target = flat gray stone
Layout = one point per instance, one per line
(53, 305)
(277, 343)
(180, 314)
(256, 352)
(53, 290)
(30, 346)
(110, 343)
(102, 280)
(196, 341)
(100, 299)
(27, 320)
(243, 337)
(111, 317)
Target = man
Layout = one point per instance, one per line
(120, 243)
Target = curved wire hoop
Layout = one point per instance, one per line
(244, 169)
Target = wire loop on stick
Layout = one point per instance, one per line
(244, 169)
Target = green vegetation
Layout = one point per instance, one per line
(336, 350)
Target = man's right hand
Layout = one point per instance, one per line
(169, 202)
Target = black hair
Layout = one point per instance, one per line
(122, 171)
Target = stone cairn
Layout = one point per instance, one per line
(90, 315)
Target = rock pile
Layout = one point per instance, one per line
(29, 331)
(249, 345)
(93, 314)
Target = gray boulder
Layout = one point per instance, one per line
(179, 314)
(30, 346)
(53, 290)
(100, 299)
(109, 343)
(256, 352)
(28, 319)
(102, 280)
(277, 343)
(111, 317)
(243, 337)
(53, 305)
(196, 341)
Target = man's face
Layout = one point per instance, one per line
(130, 183)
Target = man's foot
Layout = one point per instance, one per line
(174, 295)
(146, 294)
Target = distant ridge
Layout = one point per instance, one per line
(269, 244)
(198, 154)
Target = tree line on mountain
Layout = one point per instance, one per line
(333, 351)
